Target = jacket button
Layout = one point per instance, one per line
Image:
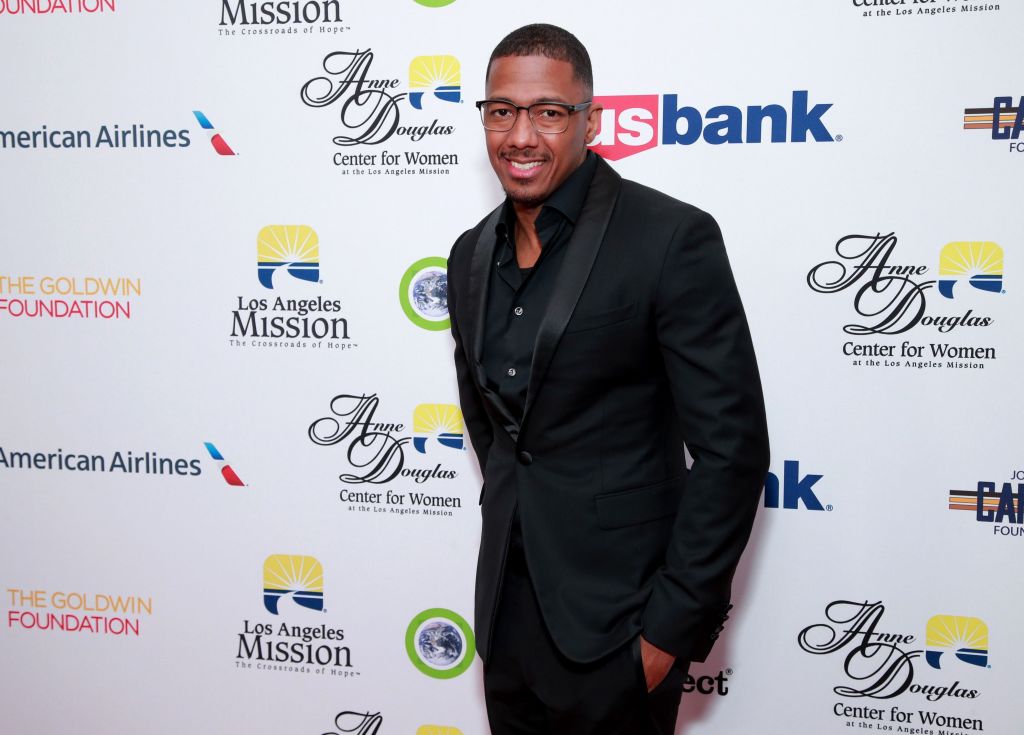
(525, 458)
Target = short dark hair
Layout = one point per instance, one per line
(552, 42)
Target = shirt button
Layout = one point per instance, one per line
(511, 372)
(525, 458)
(518, 311)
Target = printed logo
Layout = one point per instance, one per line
(1004, 120)
(898, 9)
(294, 640)
(439, 421)
(423, 294)
(440, 643)
(966, 637)
(794, 489)
(294, 247)
(879, 663)
(980, 263)
(288, 261)
(356, 723)
(434, 3)
(1001, 505)
(68, 297)
(440, 74)
(891, 299)
(56, 7)
(629, 123)
(77, 612)
(375, 452)
(371, 111)
(246, 18)
(298, 578)
(125, 462)
(437, 729)
(225, 469)
(708, 684)
(216, 139)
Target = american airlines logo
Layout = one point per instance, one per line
(632, 123)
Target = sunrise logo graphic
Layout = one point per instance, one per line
(980, 263)
(440, 421)
(294, 247)
(225, 469)
(216, 139)
(442, 74)
(966, 637)
(298, 577)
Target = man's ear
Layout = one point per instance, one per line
(593, 122)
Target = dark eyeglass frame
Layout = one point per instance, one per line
(569, 108)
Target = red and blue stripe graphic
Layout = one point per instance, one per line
(216, 140)
(225, 469)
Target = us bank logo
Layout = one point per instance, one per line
(441, 422)
(1003, 121)
(793, 489)
(440, 643)
(300, 578)
(631, 123)
(978, 263)
(440, 74)
(423, 294)
(293, 248)
(965, 637)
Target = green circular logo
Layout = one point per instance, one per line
(435, 3)
(423, 294)
(440, 643)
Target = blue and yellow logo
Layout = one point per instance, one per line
(296, 247)
(981, 263)
(442, 74)
(966, 637)
(298, 577)
(440, 421)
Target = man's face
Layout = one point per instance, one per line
(531, 165)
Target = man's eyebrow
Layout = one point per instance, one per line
(538, 101)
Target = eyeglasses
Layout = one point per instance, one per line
(549, 118)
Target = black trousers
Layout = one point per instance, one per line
(532, 689)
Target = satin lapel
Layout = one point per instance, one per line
(479, 286)
(580, 254)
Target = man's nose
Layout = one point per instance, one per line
(523, 134)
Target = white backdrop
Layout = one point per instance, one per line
(166, 566)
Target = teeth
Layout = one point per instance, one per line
(525, 166)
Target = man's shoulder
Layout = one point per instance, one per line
(638, 199)
(463, 247)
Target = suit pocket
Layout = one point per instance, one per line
(639, 505)
(582, 322)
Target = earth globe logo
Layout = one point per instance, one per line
(440, 643)
(423, 294)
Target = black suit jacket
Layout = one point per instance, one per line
(644, 346)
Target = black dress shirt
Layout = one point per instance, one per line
(518, 297)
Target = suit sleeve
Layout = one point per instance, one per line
(709, 360)
(473, 412)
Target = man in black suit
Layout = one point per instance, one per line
(597, 328)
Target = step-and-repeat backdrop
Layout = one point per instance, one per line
(235, 491)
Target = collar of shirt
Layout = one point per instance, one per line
(566, 201)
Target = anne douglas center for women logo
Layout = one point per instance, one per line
(440, 643)
(423, 294)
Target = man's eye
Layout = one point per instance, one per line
(500, 112)
(550, 113)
